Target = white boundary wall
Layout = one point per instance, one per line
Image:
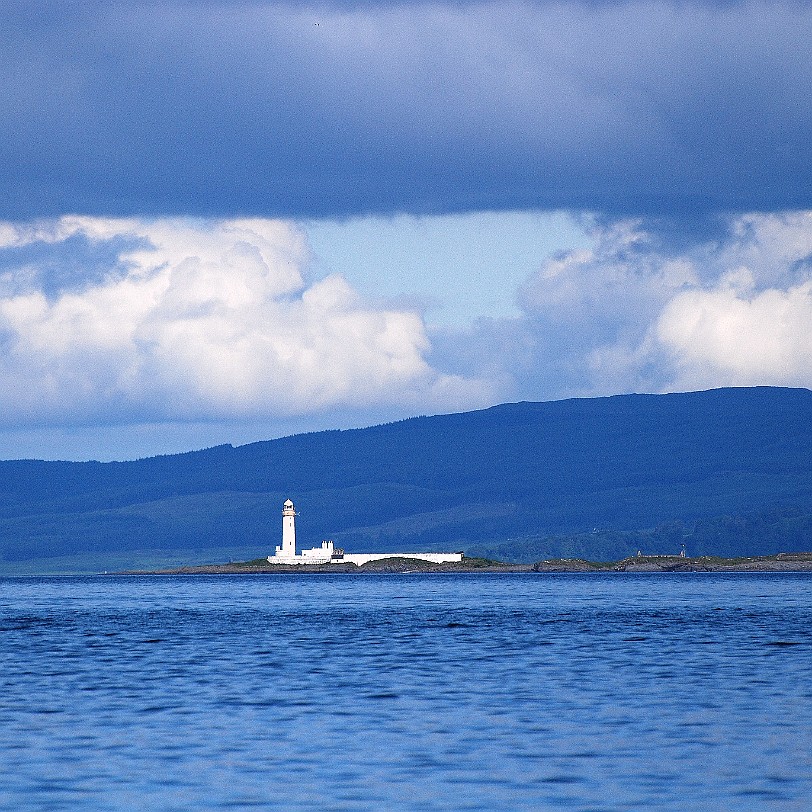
(434, 558)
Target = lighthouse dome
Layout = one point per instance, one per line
(288, 503)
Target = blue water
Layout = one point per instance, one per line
(395, 692)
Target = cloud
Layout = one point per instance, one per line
(722, 336)
(636, 313)
(753, 325)
(198, 320)
(333, 109)
(220, 328)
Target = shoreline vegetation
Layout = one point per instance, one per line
(782, 562)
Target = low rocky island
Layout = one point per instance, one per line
(384, 565)
(782, 562)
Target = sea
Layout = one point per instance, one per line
(530, 691)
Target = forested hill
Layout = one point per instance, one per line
(727, 471)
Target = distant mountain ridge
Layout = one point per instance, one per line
(591, 477)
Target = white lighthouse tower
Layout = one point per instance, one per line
(286, 554)
(288, 530)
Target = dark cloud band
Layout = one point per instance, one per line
(339, 109)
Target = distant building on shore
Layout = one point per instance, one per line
(680, 554)
(328, 553)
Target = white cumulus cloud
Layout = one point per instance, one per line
(636, 313)
(180, 319)
(750, 321)
(734, 337)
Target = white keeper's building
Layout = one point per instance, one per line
(329, 554)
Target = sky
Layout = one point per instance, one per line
(224, 221)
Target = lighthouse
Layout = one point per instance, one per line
(288, 530)
(329, 554)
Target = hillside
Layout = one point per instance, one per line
(727, 471)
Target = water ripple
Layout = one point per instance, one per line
(530, 692)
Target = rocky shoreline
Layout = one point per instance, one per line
(782, 562)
